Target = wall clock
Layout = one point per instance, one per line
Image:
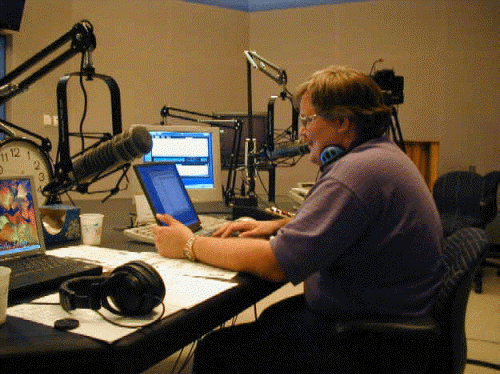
(19, 156)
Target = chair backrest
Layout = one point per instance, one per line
(459, 200)
(463, 253)
(490, 207)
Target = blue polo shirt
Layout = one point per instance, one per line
(366, 241)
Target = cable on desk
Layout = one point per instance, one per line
(133, 326)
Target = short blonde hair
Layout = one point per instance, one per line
(340, 92)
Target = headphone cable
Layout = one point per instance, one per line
(107, 319)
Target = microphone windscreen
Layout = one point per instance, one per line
(112, 153)
(133, 143)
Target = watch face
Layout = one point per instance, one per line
(23, 157)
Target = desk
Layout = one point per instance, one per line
(32, 347)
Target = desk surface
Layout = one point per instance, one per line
(35, 347)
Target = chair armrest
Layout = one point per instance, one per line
(419, 328)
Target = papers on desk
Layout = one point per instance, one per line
(91, 323)
(186, 285)
(111, 258)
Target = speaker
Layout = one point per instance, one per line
(132, 289)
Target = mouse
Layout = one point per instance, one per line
(244, 218)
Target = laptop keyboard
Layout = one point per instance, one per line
(43, 271)
(34, 264)
(145, 233)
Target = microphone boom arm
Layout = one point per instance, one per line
(279, 75)
(64, 164)
(82, 39)
(214, 120)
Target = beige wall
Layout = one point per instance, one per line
(191, 56)
(447, 50)
(41, 25)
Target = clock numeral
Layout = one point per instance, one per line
(1, 169)
(36, 164)
(41, 177)
(15, 152)
(4, 157)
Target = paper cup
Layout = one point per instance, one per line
(4, 292)
(91, 224)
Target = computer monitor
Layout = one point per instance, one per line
(196, 152)
(259, 123)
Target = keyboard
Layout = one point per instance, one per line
(44, 272)
(141, 233)
(145, 234)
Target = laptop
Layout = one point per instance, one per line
(22, 245)
(166, 194)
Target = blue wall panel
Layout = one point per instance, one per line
(260, 5)
(232, 4)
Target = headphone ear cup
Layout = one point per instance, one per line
(331, 154)
(133, 289)
(82, 292)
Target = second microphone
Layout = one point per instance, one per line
(111, 154)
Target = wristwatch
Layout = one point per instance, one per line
(188, 249)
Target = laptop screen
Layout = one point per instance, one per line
(20, 227)
(166, 192)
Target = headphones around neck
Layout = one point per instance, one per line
(132, 289)
(331, 154)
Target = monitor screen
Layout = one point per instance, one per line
(259, 123)
(196, 152)
(11, 12)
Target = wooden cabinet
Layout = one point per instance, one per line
(425, 154)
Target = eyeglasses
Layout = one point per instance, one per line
(306, 120)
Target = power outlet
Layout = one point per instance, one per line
(47, 120)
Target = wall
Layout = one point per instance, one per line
(191, 56)
(41, 25)
(159, 52)
(447, 51)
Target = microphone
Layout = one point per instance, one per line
(288, 150)
(113, 153)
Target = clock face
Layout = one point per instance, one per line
(19, 157)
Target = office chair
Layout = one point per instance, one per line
(467, 199)
(490, 211)
(436, 343)
(459, 200)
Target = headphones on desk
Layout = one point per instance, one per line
(132, 289)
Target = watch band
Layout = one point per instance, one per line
(188, 249)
